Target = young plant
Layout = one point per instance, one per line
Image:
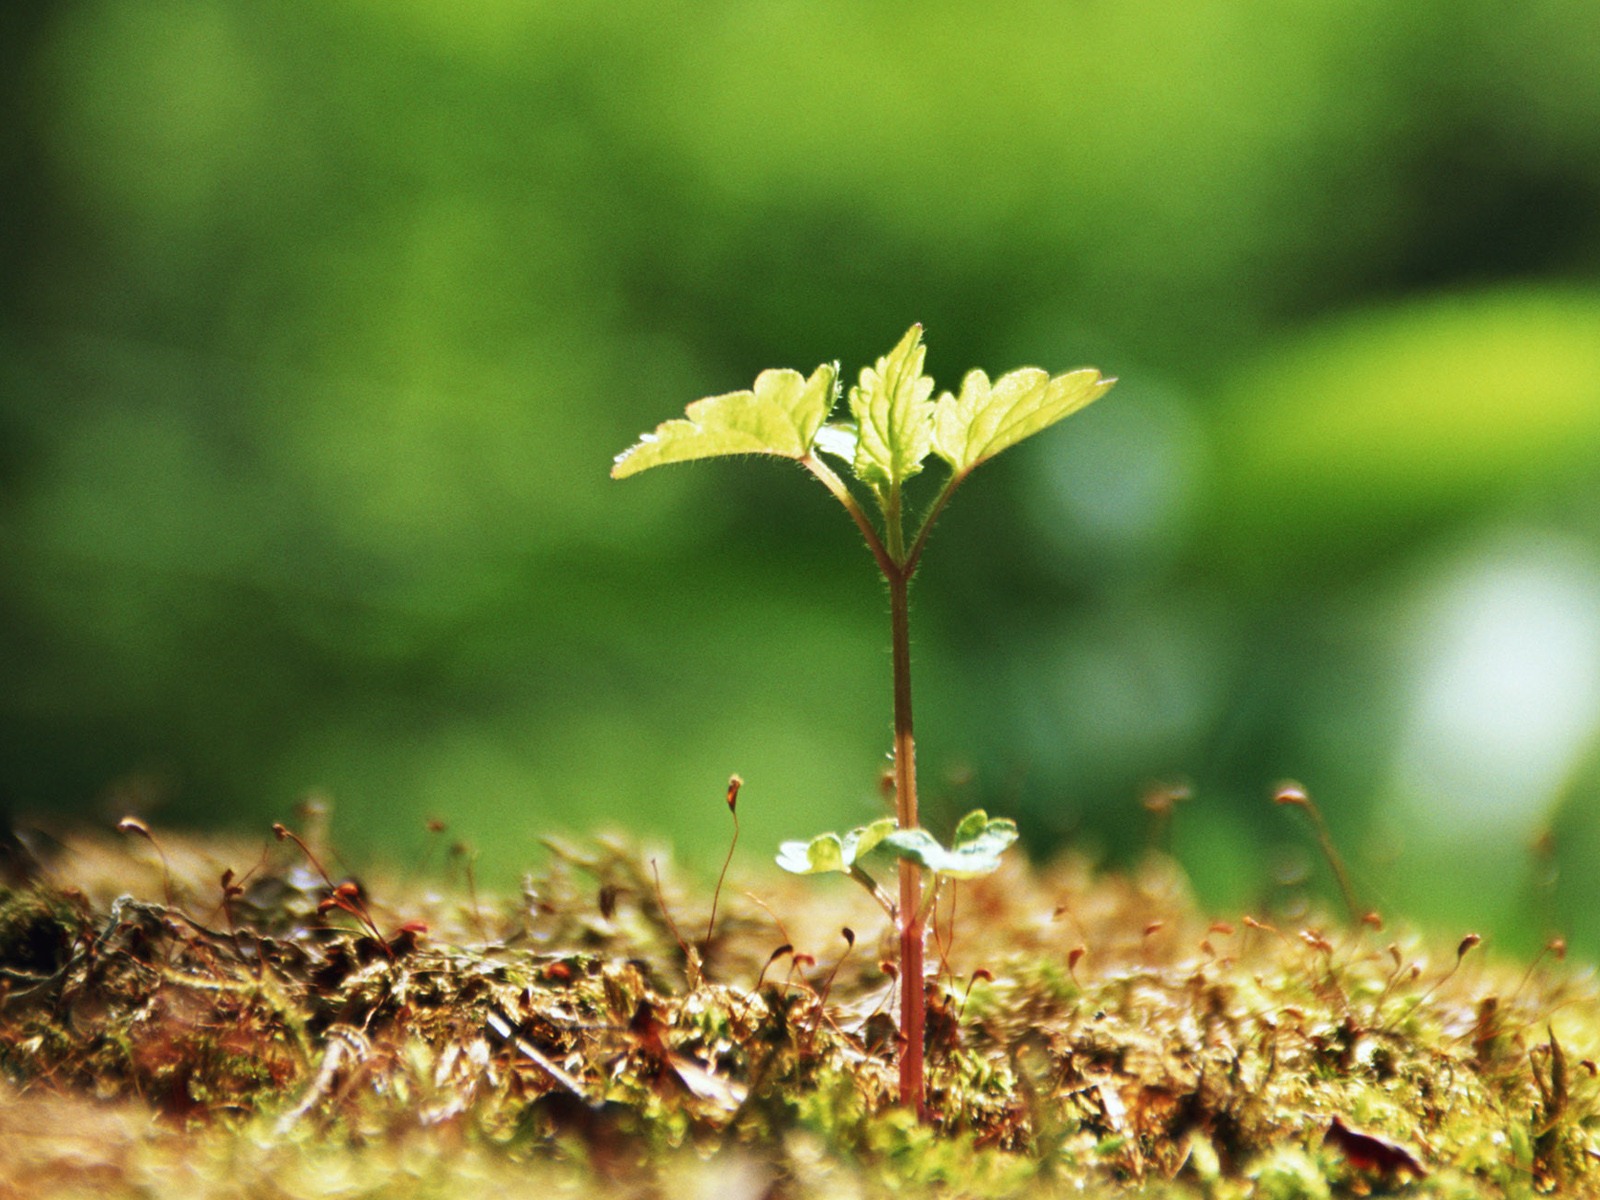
(893, 424)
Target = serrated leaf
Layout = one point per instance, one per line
(979, 844)
(829, 852)
(988, 418)
(893, 412)
(780, 415)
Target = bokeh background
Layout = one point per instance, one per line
(322, 322)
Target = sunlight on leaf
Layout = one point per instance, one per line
(780, 416)
(894, 416)
(839, 439)
(988, 418)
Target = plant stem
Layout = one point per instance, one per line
(834, 484)
(898, 567)
(912, 1012)
(915, 555)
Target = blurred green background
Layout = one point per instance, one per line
(321, 325)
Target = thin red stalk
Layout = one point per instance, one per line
(912, 1001)
(734, 784)
(898, 566)
(863, 522)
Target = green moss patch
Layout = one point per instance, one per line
(286, 1033)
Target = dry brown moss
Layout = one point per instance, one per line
(1086, 1031)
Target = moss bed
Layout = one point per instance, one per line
(210, 1018)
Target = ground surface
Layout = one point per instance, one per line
(212, 1019)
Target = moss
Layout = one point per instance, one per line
(1088, 1034)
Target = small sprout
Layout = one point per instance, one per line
(1556, 948)
(799, 962)
(732, 798)
(1465, 945)
(1163, 798)
(894, 424)
(1316, 941)
(980, 975)
(1294, 795)
(786, 948)
(849, 936)
(691, 957)
(1260, 926)
(830, 852)
(1291, 793)
(137, 828)
(1161, 801)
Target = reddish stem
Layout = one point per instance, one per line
(912, 1001)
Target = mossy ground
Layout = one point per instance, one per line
(165, 1033)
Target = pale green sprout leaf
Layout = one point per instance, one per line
(893, 411)
(829, 852)
(970, 826)
(820, 855)
(975, 850)
(864, 839)
(987, 418)
(780, 415)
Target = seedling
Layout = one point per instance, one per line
(893, 424)
(1292, 795)
(344, 896)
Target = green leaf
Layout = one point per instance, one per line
(864, 839)
(988, 418)
(780, 416)
(893, 415)
(976, 848)
(830, 852)
(971, 826)
(820, 855)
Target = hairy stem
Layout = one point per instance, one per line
(915, 555)
(842, 494)
(897, 567)
(912, 1011)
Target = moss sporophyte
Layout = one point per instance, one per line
(893, 424)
